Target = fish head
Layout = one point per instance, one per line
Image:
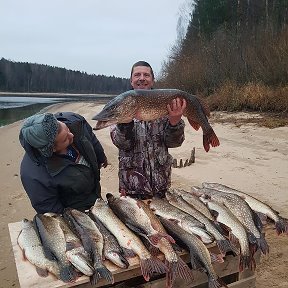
(26, 223)
(121, 109)
(110, 198)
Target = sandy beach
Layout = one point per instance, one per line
(250, 158)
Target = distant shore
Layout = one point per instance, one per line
(54, 94)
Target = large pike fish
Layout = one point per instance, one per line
(75, 251)
(161, 207)
(223, 243)
(281, 224)
(32, 249)
(111, 249)
(54, 243)
(241, 210)
(193, 201)
(199, 254)
(226, 217)
(152, 104)
(92, 241)
(140, 218)
(127, 239)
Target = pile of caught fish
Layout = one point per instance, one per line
(77, 243)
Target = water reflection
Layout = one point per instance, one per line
(8, 116)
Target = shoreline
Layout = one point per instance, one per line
(54, 94)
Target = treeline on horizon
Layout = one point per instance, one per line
(234, 53)
(32, 77)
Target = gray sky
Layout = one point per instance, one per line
(94, 36)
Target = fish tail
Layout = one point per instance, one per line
(194, 124)
(101, 272)
(281, 226)
(148, 266)
(216, 282)
(154, 239)
(247, 261)
(216, 258)
(210, 138)
(225, 246)
(68, 273)
(178, 269)
(263, 245)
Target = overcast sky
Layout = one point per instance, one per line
(95, 36)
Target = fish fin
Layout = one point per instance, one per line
(70, 246)
(41, 272)
(67, 273)
(233, 238)
(128, 253)
(281, 226)
(205, 106)
(101, 272)
(257, 220)
(194, 124)
(135, 229)
(195, 264)
(177, 247)
(247, 262)
(216, 282)
(225, 246)
(262, 217)
(263, 245)
(210, 138)
(216, 258)
(178, 269)
(148, 266)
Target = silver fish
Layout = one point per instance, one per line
(75, 251)
(193, 201)
(140, 218)
(92, 241)
(199, 254)
(111, 249)
(54, 243)
(152, 104)
(240, 209)
(127, 239)
(281, 223)
(225, 216)
(161, 207)
(32, 248)
(223, 243)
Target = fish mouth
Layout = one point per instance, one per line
(104, 123)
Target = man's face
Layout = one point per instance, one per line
(63, 139)
(142, 78)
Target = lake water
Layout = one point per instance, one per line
(14, 108)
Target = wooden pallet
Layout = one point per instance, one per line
(130, 277)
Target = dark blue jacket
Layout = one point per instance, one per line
(57, 182)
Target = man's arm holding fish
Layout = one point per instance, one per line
(123, 135)
(174, 132)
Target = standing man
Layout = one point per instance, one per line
(144, 160)
(61, 166)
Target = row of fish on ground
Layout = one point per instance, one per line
(77, 243)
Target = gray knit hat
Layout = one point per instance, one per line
(40, 131)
